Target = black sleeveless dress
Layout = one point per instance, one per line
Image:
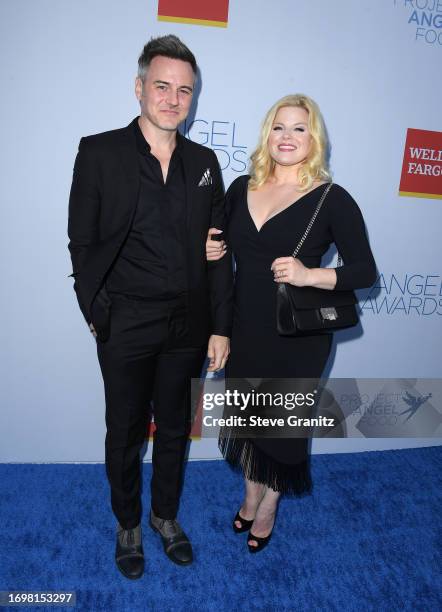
(256, 348)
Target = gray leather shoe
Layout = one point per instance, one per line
(175, 542)
(129, 555)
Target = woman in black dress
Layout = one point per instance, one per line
(268, 213)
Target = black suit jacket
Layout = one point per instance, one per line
(103, 200)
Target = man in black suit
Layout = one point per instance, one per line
(142, 201)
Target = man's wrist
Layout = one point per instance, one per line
(222, 331)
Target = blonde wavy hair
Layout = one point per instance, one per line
(315, 167)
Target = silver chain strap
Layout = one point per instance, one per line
(312, 220)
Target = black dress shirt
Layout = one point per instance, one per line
(152, 261)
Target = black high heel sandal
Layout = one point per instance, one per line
(245, 524)
(262, 542)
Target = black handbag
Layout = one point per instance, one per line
(306, 311)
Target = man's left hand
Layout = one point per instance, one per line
(218, 352)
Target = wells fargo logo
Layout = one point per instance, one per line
(199, 12)
(422, 166)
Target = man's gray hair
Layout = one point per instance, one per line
(167, 46)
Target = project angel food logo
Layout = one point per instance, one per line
(424, 18)
(223, 138)
(399, 408)
(421, 175)
(404, 294)
(198, 12)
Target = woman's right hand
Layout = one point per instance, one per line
(215, 249)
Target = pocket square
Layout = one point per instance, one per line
(206, 179)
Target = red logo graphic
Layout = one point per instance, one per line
(422, 166)
(199, 12)
(195, 433)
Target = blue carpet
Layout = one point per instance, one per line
(368, 538)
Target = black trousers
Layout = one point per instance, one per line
(144, 359)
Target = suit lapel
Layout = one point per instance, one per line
(129, 160)
(189, 177)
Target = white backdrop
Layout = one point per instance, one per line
(67, 70)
